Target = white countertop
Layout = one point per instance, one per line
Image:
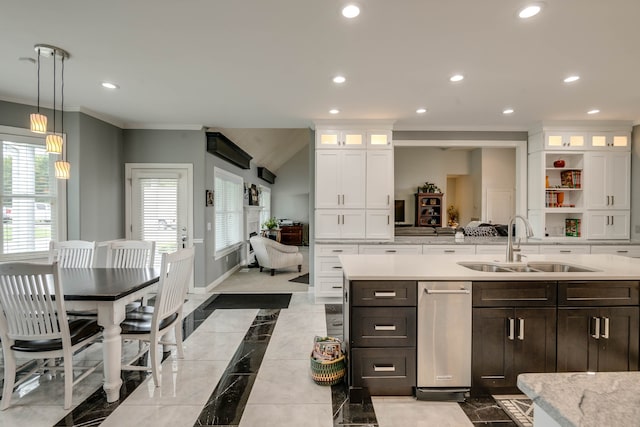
(586, 399)
(445, 267)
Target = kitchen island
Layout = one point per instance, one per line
(494, 319)
(585, 399)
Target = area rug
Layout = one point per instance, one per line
(239, 301)
(519, 409)
(301, 279)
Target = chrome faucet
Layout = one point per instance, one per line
(510, 234)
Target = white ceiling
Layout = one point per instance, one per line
(269, 63)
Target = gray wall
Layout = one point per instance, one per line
(176, 146)
(290, 193)
(635, 183)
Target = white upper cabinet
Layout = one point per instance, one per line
(565, 141)
(608, 180)
(379, 140)
(340, 179)
(620, 141)
(379, 179)
(341, 139)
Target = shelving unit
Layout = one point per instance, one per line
(429, 209)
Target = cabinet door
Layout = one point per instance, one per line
(328, 224)
(379, 224)
(353, 179)
(535, 340)
(328, 139)
(328, 179)
(608, 224)
(609, 141)
(618, 339)
(492, 361)
(565, 140)
(353, 224)
(619, 176)
(577, 348)
(379, 181)
(353, 139)
(608, 180)
(379, 139)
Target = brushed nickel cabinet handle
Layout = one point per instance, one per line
(605, 324)
(384, 368)
(512, 324)
(521, 329)
(384, 294)
(596, 329)
(384, 327)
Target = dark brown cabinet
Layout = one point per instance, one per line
(381, 336)
(598, 326)
(514, 331)
(291, 235)
(429, 210)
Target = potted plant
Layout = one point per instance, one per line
(271, 223)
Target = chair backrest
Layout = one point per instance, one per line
(72, 253)
(258, 243)
(175, 272)
(130, 254)
(29, 307)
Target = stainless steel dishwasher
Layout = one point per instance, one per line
(444, 340)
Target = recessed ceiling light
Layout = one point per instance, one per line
(350, 11)
(594, 111)
(507, 111)
(456, 77)
(529, 11)
(339, 79)
(571, 79)
(334, 111)
(421, 110)
(109, 85)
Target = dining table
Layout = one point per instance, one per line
(107, 291)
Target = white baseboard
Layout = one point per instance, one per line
(209, 288)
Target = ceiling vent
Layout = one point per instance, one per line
(266, 174)
(221, 146)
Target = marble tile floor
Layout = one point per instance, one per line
(242, 367)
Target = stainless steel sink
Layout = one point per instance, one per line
(532, 267)
(550, 267)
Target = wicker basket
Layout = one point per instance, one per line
(327, 372)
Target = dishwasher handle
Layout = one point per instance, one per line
(447, 291)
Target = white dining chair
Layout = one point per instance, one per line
(149, 324)
(131, 254)
(34, 325)
(72, 253)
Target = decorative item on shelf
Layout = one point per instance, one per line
(560, 198)
(209, 197)
(546, 181)
(452, 211)
(558, 163)
(572, 227)
(571, 179)
(271, 223)
(429, 187)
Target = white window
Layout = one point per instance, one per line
(228, 196)
(265, 203)
(32, 198)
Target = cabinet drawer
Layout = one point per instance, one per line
(328, 287)
(565, 249)
(383, 327)
(385, 371)
(324, 250)
(329, 266)
(594, 293)
(502, 249)
(390, 249)
(632, 251)
(384, 293)
(513, 294)
(448, 249)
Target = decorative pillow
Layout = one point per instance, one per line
(480, 231)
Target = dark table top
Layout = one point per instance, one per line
(105, 284)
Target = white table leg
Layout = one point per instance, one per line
(110, 316)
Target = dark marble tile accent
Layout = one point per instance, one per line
(349, 409)
(228, 400)
(251, 301)
(95, 409)
(484, 409)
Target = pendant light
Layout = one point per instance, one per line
(53, 142)
(62, 167)
(38, 121)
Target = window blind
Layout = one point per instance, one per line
(159, 213)
(228, 197)
(265, 203)
(29, 196)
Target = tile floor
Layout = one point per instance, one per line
(242, 367)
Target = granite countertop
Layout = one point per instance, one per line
(498, 240)
(586, 399)
(446, 267)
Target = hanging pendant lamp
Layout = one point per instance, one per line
(53, 142)
(38, 122)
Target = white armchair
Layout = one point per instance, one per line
(271, 254)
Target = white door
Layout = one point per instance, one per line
(379, 179)
(159, 205)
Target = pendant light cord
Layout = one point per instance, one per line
(38, 80)
(54, 93)
(62, 103)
